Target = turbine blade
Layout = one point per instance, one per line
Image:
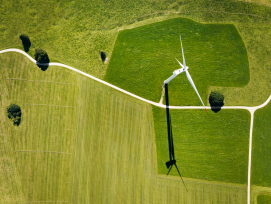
(180, 63)
(193, 85)
(182, 51)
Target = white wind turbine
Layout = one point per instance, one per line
(184, 69)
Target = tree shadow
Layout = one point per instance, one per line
(103, 56)
(26, 47)
(216, 100)
(216, 108)
(26, 42)
(44, 65)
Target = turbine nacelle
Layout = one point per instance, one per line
(178, 71)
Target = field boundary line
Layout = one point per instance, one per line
(202, 10)
(41, 151)
(196, 182)
(40, 81)
(48, 105)
(45, 202)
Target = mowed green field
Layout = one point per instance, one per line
(82, 142)
(144, 57)
(261, 147)
(260, 194)
(41, 147)
(263, 199)
(207, 146)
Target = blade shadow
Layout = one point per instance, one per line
(180, 176)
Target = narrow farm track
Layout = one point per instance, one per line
(122, 111)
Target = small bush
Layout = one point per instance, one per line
(174, 6)
(14, 113)
(25, 41)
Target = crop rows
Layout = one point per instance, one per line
(108, 140)
(115, 156)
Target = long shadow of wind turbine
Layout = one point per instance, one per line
(172, 160)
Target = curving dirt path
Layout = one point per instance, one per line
(250, 109)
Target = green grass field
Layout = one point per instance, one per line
(41, 147)
(263, 199)
(143, 58)
(44, 158)
(80, 142)
(207, 146)
(261, 147)
(260, 194)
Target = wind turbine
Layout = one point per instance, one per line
(184, 69)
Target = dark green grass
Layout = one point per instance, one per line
(144, 57)
(261, 154)
(210, 146)
(263, 199)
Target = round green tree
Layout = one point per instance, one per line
(14, 113)
(216, 100)
(41, 56)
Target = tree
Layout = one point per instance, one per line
(25, 41)
(42, 57)
(14, 113)
(216, 100)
